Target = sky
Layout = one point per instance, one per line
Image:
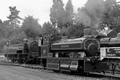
(39, 9)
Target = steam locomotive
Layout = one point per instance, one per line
(21, 51)
(73, 55)
(110, 51)
(85, 54)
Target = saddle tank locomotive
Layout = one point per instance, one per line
(72, 55)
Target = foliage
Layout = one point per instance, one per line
(7, 30)
(60, 15)
(31, 27)
(21, 35)
(47, 28)
(13, 17)
(64, 31)
(10, 28)
(77, 30)
(1, 24)
(69, 14)
(57, 13)
(111, 16)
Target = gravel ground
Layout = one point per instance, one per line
(20, 73)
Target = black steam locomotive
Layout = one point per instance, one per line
(77, 55)
(85, 54)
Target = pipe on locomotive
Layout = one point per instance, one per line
(40, 40)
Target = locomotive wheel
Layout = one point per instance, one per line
(13, 60)
(20, 61)
(71, 55)
(56, 71)
(93, 61)
(24, 60)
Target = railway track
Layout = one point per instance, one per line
(107, 75)
(92, 74)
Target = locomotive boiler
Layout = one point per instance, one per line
(88, 46)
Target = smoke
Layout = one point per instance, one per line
(82, 17)
(91, 14)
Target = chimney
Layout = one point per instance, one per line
(87, 32)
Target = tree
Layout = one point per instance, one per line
(57, 13)
(21, 35)
(13, 24)
(111, 16)
(47, 28)
(76, 31)
(69, 13)
(31, 27)
(13, 17)
(64, 31)
(5, 30)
